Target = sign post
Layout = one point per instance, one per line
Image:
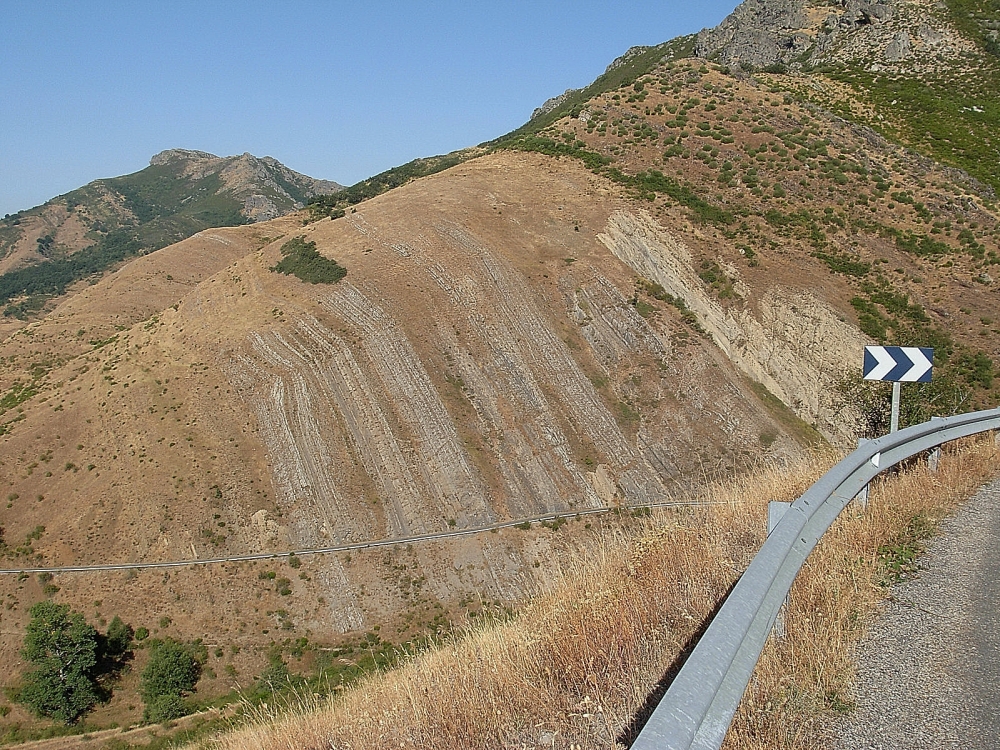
(894, 416)
(898, 364)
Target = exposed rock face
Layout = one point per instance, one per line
(260, 208)
(929, 36)
(173, 154)
(551, 104)
(796, 346)
(899, 47)
(791, 33)
(266, 187)
(757, 34)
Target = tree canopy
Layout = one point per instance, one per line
(172, 672)
(63, 649)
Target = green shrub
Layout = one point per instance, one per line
(844, 263)
(273, 679)
(172, 670)
(164, 708)
(304, 261)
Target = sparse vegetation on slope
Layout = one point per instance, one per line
(953, 119)
(777, 176)
(334, 205)
(84, 233)
(644, 185)
(576, 667)
(624, 71)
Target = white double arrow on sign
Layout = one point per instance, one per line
(901, 364)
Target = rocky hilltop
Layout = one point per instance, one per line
(267, 187)
(669, 275)
(89, 230)
(890, 35)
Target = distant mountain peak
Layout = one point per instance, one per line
(264, 186)
(180, 193)
(173, 154)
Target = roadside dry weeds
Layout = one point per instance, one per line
(577, 666)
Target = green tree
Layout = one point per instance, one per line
(172, 672)
(119, 637)
(63, 649)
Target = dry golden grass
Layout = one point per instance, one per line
(578, 664)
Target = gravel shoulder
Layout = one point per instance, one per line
(929, 668)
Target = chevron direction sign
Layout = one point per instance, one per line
(899, 364)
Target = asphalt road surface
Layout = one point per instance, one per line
(929, 670)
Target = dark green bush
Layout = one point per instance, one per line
(173, 670)
(303, 260)
(164, 708)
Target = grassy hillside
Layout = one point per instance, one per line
(668, 277)
(770, 174)
(574, 669)
(82, 234)
(674, 130)
(950, 115)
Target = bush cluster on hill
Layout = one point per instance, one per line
(334, 205)
(172, 673)
(302, 259)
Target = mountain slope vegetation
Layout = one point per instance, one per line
(668, 276)
(82, 234)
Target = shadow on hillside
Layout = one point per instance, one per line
(631, 731)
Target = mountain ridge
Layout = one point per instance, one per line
(88, 230)
(669, 276)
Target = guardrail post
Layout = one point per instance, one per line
(775, 510)
(934, 456)
(862, 497)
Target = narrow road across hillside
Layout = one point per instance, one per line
(352, 546)
(929, 670)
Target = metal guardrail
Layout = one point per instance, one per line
(699, 705)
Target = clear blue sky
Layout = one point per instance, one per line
(335, 90)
